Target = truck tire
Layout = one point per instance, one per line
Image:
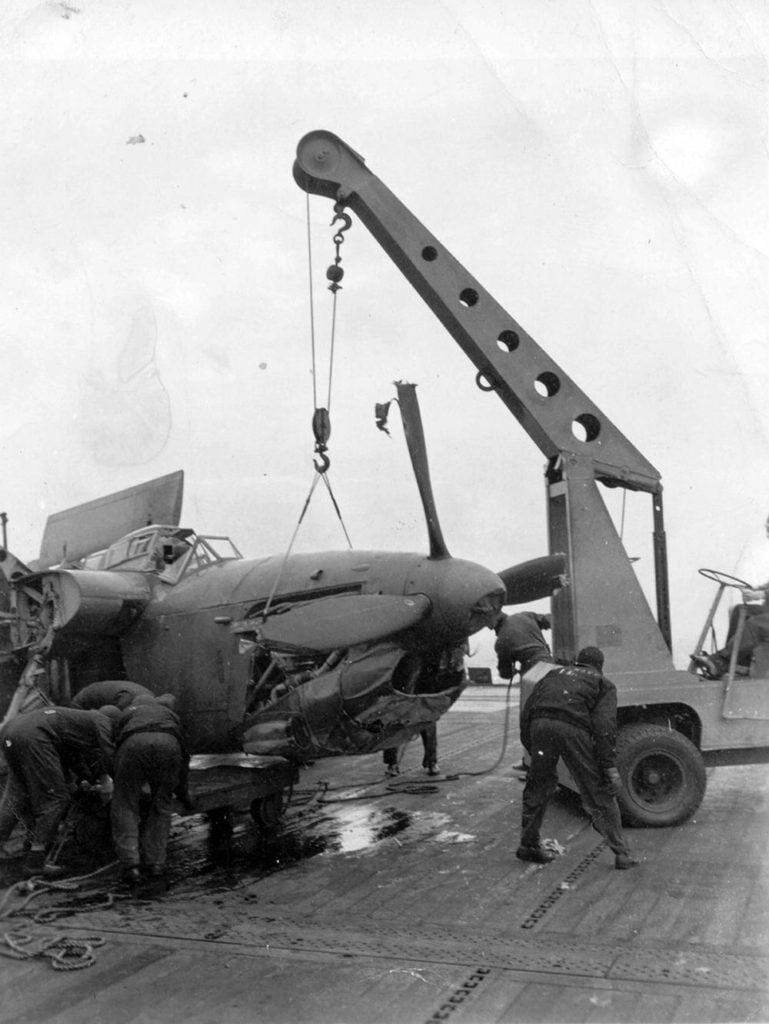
(663, 776)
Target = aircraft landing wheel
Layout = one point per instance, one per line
(267, 811)
(663, 776)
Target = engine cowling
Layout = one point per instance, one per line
(91, 603)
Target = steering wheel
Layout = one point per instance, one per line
(724, 579)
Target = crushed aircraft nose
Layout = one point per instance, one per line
(364, 704)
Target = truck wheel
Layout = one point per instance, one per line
(663, 776)
(267, 811)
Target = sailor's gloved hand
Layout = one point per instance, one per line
(613, 781)
(104, 787)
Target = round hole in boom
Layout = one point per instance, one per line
(429, 253)
(547, 384)
(468, 297)
(586, 427)
(508, 341)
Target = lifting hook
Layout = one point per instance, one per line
(339, 214)
(335, 272)
(325, 462)
(321, 428)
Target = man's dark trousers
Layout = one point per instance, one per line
(154, 758)
(551, 739)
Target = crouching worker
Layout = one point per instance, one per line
(520, 643)
(43, 747)
(150, 749)
(572, 714)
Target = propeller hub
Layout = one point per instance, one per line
(465, 596)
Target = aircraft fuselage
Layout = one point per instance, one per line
(179, 636)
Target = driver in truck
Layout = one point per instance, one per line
(756, 632)
(753, 598)
(754, 606)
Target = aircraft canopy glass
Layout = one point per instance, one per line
(170, 552)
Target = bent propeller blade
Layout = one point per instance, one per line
(415, 439)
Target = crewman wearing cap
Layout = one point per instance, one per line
(120, 692)
(572, 714)
(520, 643)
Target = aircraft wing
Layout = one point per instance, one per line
(79, 531)
(332, 622)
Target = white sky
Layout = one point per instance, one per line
(601, 167)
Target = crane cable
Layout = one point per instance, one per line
(321, 424)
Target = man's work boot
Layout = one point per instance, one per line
(130, 877)
(392, 770)
(537, 854)
(51, 870)
(36, 864)
(155, 883)
(623, 861)
(432, 769)
(708, 664)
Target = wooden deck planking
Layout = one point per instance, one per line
(574, 1005)
(73, 995)
(708, 871)
(754, 924)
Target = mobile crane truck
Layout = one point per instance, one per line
(672, 723)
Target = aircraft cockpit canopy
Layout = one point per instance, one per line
(168, 551)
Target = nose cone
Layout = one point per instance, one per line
(465, 596)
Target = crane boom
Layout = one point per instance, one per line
(556, 414)
(604, 604)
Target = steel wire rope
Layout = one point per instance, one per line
(312, 299)
(327, 482)
(318, 472)
(335, 289)
(313, 485)
(331, 349)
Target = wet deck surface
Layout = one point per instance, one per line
(405, 903)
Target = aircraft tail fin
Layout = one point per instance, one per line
(94, 525)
